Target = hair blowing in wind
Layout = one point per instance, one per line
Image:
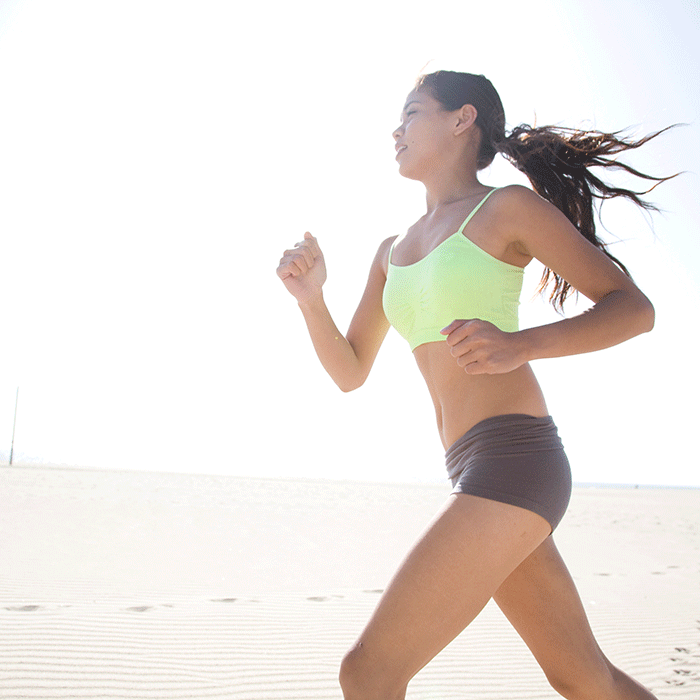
(557, 161)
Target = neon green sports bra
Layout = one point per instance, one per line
(455, 280)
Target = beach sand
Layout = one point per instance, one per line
(126, 585)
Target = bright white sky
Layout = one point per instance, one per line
(157, 157)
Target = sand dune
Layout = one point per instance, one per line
(131, 585)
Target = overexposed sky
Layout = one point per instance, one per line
(157, 157)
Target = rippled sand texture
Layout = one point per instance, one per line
(130, 585)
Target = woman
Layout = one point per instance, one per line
(450, 285)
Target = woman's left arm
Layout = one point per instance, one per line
(539, 230)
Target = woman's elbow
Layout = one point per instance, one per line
(346, 386)
(354, 374)
(352, 381)
(647, 314)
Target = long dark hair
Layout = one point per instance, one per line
(556, 160)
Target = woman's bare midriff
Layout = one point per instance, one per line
(461, 400)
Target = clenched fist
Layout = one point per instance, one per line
(303, 269)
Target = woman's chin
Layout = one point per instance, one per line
(406, 171)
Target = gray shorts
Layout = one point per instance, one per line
(515, 459)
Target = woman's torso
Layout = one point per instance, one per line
(462, 400)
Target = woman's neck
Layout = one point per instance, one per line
(443, 190)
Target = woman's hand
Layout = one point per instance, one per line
(482, 348)
(303, 269)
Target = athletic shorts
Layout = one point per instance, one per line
(515, 459)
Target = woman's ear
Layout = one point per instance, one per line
(466, 116)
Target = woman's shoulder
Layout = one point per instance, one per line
(384, 252)
(517, 206)
(517, 196)
(525, 221)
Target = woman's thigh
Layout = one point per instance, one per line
(541, 601)
(456, 566)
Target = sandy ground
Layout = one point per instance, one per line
(125, 585)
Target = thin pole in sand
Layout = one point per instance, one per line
(14, 425)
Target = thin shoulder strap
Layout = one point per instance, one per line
(391, 250)
(476, 209)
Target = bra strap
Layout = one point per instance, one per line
(476, 209)
(391, 250)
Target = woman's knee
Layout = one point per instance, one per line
(600, 683)
(589, 684)
(365, 678)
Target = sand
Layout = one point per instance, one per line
(125, 585)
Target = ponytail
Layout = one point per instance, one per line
(556, 160)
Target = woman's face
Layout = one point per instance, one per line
(425, 137)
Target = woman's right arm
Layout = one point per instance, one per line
(347, 359)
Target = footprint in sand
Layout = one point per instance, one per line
(688, 665)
